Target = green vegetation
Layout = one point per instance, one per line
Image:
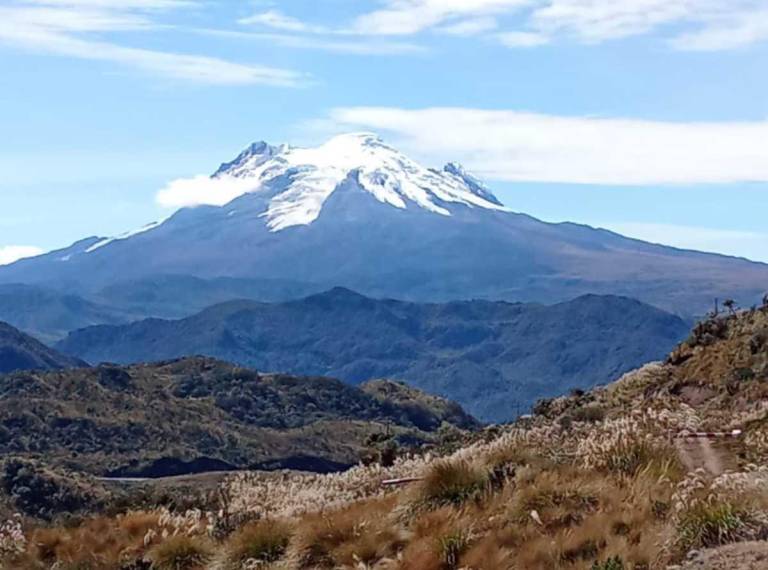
(710, 524)
(199, 414)
(609, 494)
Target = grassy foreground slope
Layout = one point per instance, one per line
(603, 480)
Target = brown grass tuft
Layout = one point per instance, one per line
(181, 552)
(453, 483)
(260, 542)
(364, 533)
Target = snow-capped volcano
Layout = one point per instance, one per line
(354, 212)
(309, 176)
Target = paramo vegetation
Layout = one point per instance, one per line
(604, 480)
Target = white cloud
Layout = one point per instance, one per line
(62, 28)
(333, 43)
(279, 21)
(516, 146)
(12, 253)
(403, 17)
(202, 190)
(683, 24)
(294, 33)
(597, 21)
(709, 24)
(738, 31)
(753, 245)
(470, 27)
(117, 4)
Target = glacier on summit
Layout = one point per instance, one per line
(311, 175)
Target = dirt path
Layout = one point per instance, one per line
(741, 556)
(714, 456)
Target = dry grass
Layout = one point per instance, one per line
(452, 483)
(360, 534)
(181, 552)
(608, 493)
(99, 543)
(262, 542)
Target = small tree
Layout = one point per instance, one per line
(730, 304)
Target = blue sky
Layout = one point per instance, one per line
(643, 116)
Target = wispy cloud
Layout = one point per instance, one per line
(288, 31)
(683, 24)
(279, 21)
(518, 146)
(11, 253)
(332, 44)
(470, 26)
(405, 17)
(730, 32)
(67, 28)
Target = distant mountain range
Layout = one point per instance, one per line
(494, 358)
(50, 314)
(357, 213)
(19, 351)
(199, 414)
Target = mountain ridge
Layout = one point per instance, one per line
(19, 351)
(481, 354)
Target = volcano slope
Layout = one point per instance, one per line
(592, 481)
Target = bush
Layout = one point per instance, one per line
(40, 492)
(555, 499)
(614, 563)
(631, 456)
(263, 541)
(452, 546)
(181, 552)
(626, 452)
(452, 483)
(711, 524)
(590, 414)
